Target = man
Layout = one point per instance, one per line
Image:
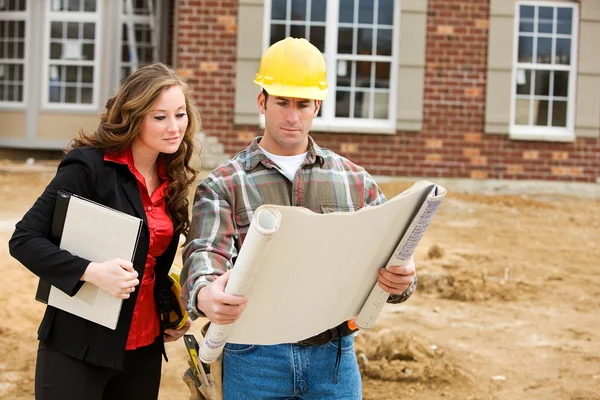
(286, 167)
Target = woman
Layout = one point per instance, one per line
(138, 162)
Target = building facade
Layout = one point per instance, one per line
(506, 89)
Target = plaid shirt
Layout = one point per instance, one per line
(225, 201)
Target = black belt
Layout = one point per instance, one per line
(325, 337)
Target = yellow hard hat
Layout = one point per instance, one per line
(293, 68)
(172, 310)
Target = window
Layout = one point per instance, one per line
(138, 35)
(358, 40)
(13, 21)
(72, 54)
(544, 72)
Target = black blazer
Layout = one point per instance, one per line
(84, 172)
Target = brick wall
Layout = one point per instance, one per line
(452, 142)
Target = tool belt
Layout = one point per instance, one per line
(325, 337)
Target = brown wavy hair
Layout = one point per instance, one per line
(120, 124)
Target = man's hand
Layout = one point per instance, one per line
(219, 307)
(395, 279)
(172, 335)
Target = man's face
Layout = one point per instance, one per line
(287, 123)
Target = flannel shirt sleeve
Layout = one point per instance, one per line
(210, 246)
(374, 197)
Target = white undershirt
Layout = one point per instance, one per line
(289, 164)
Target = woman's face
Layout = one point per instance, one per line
(163, 127)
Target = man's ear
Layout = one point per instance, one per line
(317, 107)
(262, 104)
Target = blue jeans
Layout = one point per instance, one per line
(290, 371)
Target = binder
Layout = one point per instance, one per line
(97, 233)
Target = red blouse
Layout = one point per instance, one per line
(145, 324)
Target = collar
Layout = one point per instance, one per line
(126, 158)
(255, 155)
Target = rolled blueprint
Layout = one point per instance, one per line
(402, 255)
(265, 223)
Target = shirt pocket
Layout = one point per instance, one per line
(329, 208)
(242, 223)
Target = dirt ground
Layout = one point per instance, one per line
(507, 306)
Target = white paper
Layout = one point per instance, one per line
(318, 270)
(98, 234)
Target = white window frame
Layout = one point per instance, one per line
(328, 121)
(549, 133)
(128, 17)
(25, 17)
(72, 16)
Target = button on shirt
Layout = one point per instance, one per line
(226, 200)
(145, 324)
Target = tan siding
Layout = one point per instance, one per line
(64, 126)
(249, 51)
(411, 73)
(13, 124)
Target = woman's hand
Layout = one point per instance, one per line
(172, 335)
(116, 277)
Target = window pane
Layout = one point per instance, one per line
(86, 95)
(74, 5)
(365, 11)
(525, 49)
(318, 10)
(20, 50)
(89, 30)
(346, 11)
(72, 30)
(540, 112)
(382, 75)
(361, 105)
(88, 51)
(343, 73)
(384, 42)
(564, 20)
(380, 110)
(345, 41)
(55, 51)
(526, 18)
(559, 113)
(385, 13)
(277, 32)
(298, 31)
(71, 95)
(522, 112)
(561, 83)
(278, 8)
(298, 10)
(317, 37)
(342, 104)
(544, 51)
(55, 93)
(365, 41)
(363, 74)
(523, 81)
(563, 51)
(545, 19)
(89, 6)
(20, 29)
(71, 74)
(87, 74)
(56, 30)
(542, 83)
